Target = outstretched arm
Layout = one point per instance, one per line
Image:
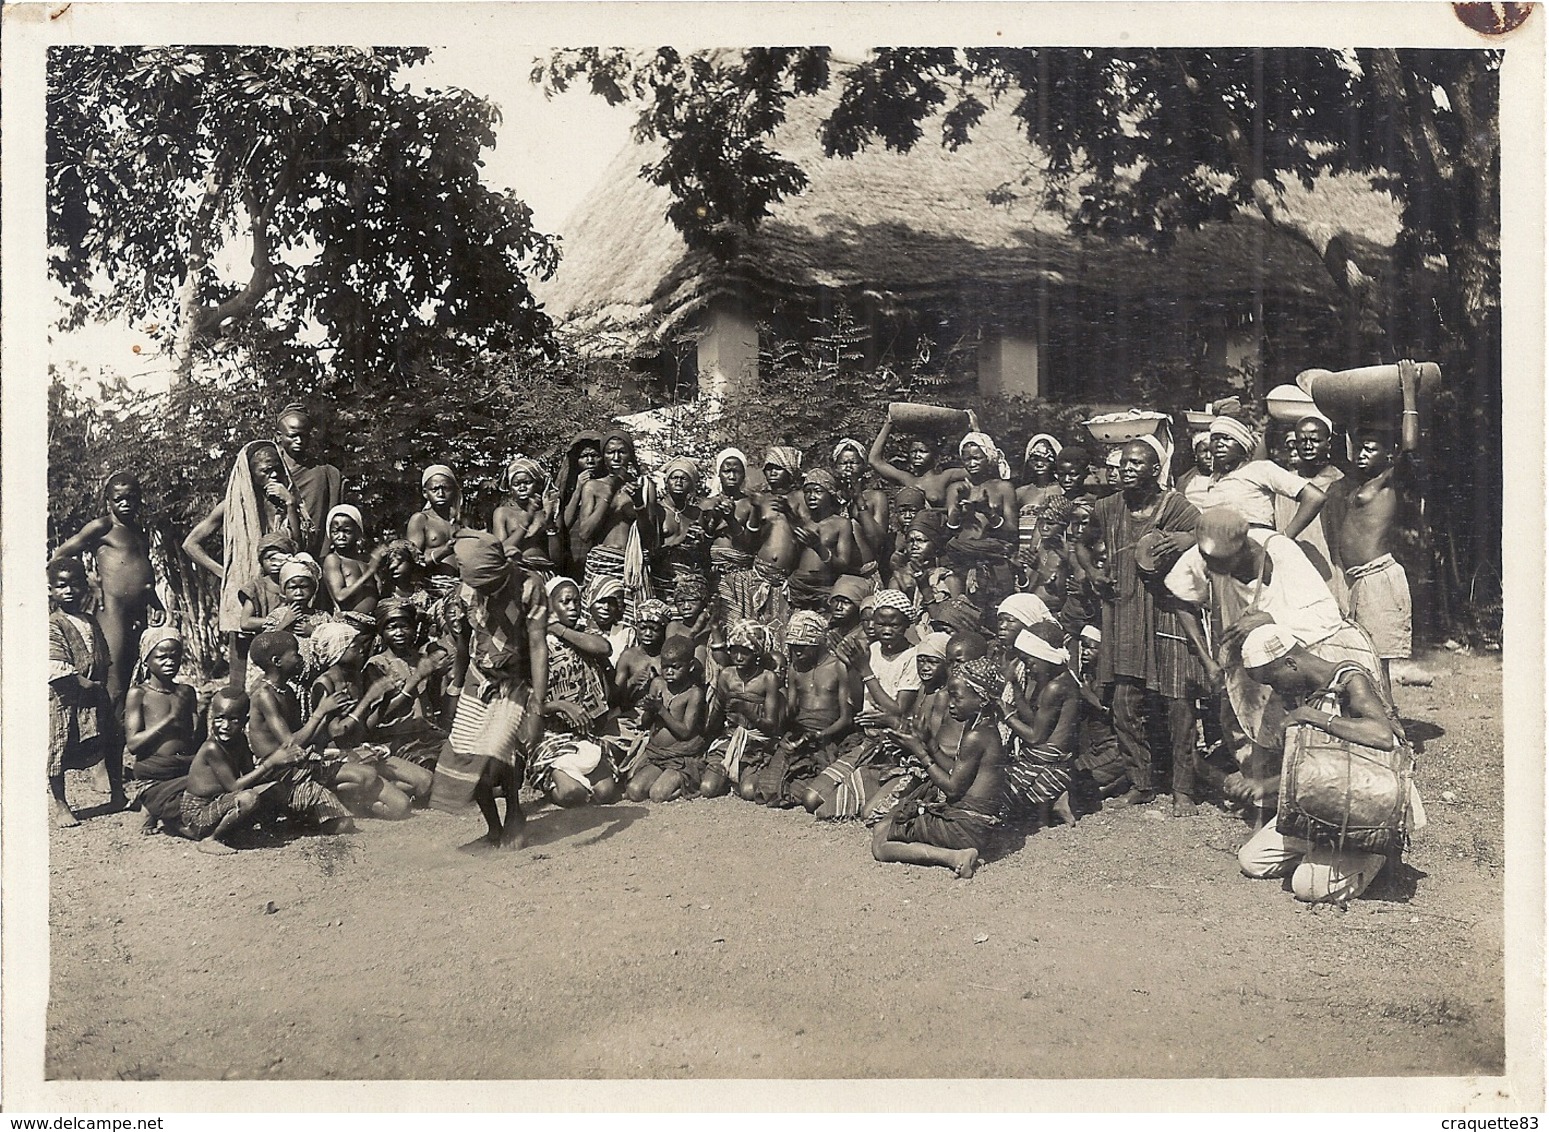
(193, 545)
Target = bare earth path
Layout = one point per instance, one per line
(719, 939)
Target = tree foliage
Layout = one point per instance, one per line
(357, 200)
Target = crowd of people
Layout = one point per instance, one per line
(906, 634)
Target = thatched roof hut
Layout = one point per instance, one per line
(914, 237)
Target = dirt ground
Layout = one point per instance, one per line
(720, 939)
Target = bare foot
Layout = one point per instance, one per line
(63, 817)
(964, 862)
(148, 826)
(214, 848)
(338, 825)
(1184, 806)
(513, 837)
(1063, 811)
(1136, 798)
(100, 783)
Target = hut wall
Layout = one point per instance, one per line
(1010, 363)
(728, 350)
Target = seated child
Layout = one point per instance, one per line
(569, 766)
(223, 791)
(1046, 704)
(409, 722)
(636, 667)
(159, 719)
(370, 780)
(819, 715)
(262, 599)
(275, 721)
(80, 715)
(349, 574)
(673, 709)
(844, 608)
(1097, 744)
(965, 824)
(745, 711)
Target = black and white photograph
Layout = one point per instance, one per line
(759, 557)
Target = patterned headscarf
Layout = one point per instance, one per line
(784, 456)
(300, 565)
(896, 599)
(805, 628)
(751, 634)
(995, 457)
(984, 676)
(330, 640)
(1053, 509)
(600, 588)
(852, 444)
(653, 609)
(390, 608)
(958, 612)
(520, 464)
(1047, 441)
(824, 479)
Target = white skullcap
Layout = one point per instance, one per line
(1265, 644)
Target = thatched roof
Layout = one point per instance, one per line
(917, 230)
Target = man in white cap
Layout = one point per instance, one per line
(1342, 700)
(1251, 486)
(1144, 653)
(1247, 577)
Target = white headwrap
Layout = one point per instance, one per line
(1029, 609)
(1234, 429)
(349, 510)
(994, 455)
(934, 644)
(1030, 644)
(457, 487)
(715, 468)
(1163, 458)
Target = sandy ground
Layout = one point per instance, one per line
(720, 939)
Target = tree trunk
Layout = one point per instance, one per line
(198, 258)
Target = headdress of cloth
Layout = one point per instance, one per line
(391, 607)
(984, 676)
(751, 634)
(600, 588)
(1092, 633)
(149, 639)
(1042, 438)
(805, 628)
(481, 560)
(910, 496)
(785, 456)
(720, 458)
(1028, 609)
(1201, 438)
(897, 599)
(559, 580)
(1030, 644)
(958, 612)
(242, 528)
(654, 610)
(683, 464)
(1163, 458)
(1265, 644)
(349, 511)
(629, 445)
(823, 478)
(930, 523)
(934, 644)
(277, 540)
(457, 487)
(570, 469)
(994, 455)
(329, 641)
(852, 586)
(1234, 429)
(854, 445)
(519, 464)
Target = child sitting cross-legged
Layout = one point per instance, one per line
(224, 791)
(409, 721)
(369, 781)
(160, 716)
(277, 721)
(818, 715)
(672, 760)
(964, 819)
(745, 711)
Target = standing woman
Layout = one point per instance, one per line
(982, 519)
(866, 505)
(679, 543)
(525, 522)
(730, 516)
(611, 505)
(582, 464)
(260, 500)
